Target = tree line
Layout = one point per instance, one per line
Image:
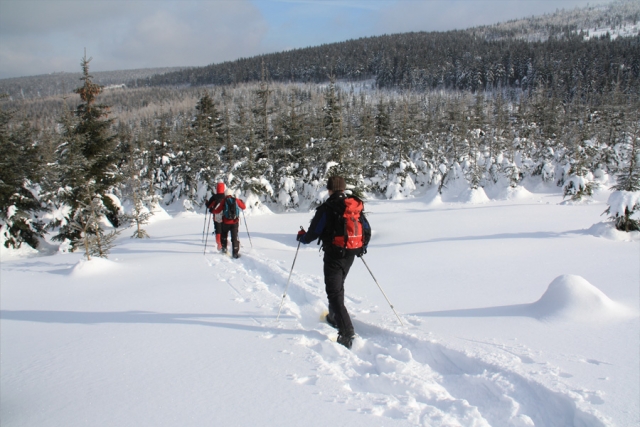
(453, 60)
(277, 143)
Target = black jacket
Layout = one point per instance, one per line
(214, 200)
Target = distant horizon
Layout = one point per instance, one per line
(39, 37)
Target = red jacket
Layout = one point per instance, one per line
(220, 207)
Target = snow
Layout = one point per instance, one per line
(98, 266)
(518, 311)
(625, 30)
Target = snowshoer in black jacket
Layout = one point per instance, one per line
(340, 249)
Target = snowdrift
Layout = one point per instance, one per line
(94, 267)
(573, 297)
(607, 230)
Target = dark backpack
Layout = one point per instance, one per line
(351, 230)
(231, 210)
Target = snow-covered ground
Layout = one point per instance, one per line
(625, 30)
(517, 312)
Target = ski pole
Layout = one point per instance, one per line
(287, 287)
(247, 227)
(207, 238)
(385, 295)
(206, 214)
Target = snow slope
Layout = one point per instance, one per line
(517, 312)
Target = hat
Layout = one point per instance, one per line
(220, 188)
(228, 192)
(336, 183)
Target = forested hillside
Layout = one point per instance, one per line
(548, 50)
(59, 84)
(460, 113)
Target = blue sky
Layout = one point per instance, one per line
(45, 36)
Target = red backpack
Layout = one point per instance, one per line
(352, 230)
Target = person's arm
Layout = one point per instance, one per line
(318, 223)
(219, 207)
(241, 204)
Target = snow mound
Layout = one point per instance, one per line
(608, 231)
(434, 198)
(573, 297)
(517, 193)
(92, 267)
(159, 214)
(474, 196)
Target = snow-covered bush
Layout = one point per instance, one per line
(624, 210)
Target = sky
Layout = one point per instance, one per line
(47, 36)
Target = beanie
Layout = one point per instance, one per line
(228, 192)
(336, 183)
(220, 188)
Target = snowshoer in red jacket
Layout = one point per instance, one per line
(212, 204)
(230, 207)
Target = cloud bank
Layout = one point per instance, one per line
(45, 36)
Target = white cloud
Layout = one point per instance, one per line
(124, 35)
(43, 36)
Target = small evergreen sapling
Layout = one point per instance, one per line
(86, 221)
(140, 216)
(580, 183)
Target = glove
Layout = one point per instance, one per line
(364, 251)
(300, 235)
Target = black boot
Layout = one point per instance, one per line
(346, 338)
(331, 320)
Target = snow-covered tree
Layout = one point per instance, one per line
(87, 162)
(20, 171)
(624, 202)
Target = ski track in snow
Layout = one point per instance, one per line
(402, 373)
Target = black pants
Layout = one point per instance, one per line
(217, 227)
(336, 268)
(225, 229)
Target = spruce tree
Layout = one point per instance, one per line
(138, 189)
(87, 168)
(205, 141)
(21, 169)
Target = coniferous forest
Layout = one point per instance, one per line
(485, 110)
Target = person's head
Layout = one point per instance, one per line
(335, 184)
(220, 188)
(228, 192)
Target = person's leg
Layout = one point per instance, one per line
(224, 228)
(335, 273)
(234, 240)
(218, 231)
